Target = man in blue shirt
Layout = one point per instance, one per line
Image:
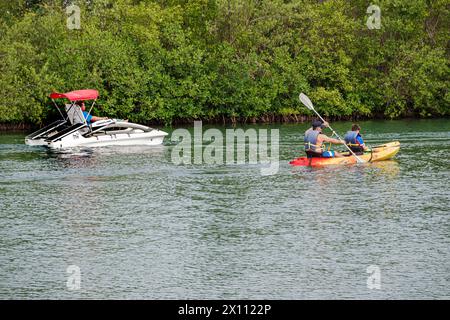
(89, 118)
(354, 140)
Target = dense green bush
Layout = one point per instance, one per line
(168, 60)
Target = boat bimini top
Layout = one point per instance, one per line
(74, 113)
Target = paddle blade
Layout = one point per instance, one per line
(305, 100)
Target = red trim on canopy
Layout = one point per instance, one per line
(78, 95)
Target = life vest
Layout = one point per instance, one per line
(352, 142)
(311, 140)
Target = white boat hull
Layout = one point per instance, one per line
(132, 138)
(35, 142)
(73, 130)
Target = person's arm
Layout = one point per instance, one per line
(361, 142)
(94, 118)
(324, 138)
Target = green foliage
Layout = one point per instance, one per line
(168, 60)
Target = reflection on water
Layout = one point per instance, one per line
(75, 158)
(139, 226)
(333, 174)
(389, 168)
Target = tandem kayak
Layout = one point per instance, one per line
(378, 153)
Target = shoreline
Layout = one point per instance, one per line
(269, 119)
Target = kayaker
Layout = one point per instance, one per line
(354, 140)
(314, 139)
(90, 118)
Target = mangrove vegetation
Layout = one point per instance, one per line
(226, 60)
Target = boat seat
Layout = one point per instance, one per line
(75, 116)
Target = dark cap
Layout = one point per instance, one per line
(317, 123)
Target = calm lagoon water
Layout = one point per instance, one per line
(139, 226)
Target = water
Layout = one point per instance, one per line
(139, 226)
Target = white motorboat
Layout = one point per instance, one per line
(73, 130)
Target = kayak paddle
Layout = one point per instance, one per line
(307, 102)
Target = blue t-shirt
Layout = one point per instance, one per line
(87, 116)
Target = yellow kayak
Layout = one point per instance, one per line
(378, 153)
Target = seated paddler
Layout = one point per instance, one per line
(315, 142)
(354, 140)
